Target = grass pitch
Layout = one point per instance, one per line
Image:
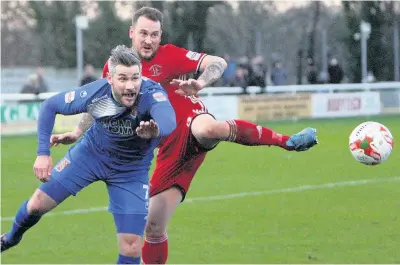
(246, 205)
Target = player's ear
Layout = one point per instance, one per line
(109, 78)
(131, 32)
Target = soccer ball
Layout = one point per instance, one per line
(371, 143)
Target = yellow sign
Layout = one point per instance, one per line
(66, 123)
(274, 107)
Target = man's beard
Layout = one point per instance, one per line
(146, 58)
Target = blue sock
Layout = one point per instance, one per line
(127, 260)
(22, 222)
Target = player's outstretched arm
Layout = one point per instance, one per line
(212, 68)
(162, 124)
(163, 114)
(71, 137)
(148, 129)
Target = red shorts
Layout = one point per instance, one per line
(178, 159)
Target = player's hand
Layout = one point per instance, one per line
(63, 138)
(148, 129)
(42, 168)
(188, 87)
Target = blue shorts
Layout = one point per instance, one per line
(128, 190)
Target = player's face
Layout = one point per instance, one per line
(125, 84)
(146, 37)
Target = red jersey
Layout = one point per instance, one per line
(172, 62)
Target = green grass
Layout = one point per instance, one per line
(336, 224)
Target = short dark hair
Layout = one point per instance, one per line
(124, 56)
(148, 12)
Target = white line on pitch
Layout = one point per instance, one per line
(242, 194)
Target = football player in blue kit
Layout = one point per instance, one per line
(132, 114)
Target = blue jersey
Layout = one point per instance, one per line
(112, 138)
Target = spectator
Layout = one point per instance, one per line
(312, 76)
(335, 72)
(89, 76)
(41, 82)
(31, 86)
(278, 74)
(241, 78)
(370, 77)
(258, 72)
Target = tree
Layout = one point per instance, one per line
(234, 30)
(55, 28)
(313, 31)
(380, 50)
(19, 45)
(105, 32)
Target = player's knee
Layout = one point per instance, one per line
(130, 245)
(154, 229)
(205, 126)
(210, 130)
(40, 203)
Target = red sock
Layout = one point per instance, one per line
(247, 133)
(155, 250)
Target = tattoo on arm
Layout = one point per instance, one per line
(85, 123)
(212, 72)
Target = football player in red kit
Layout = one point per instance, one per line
(197, 132)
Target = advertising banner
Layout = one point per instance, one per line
(345, 104)
(274, 107)
(390, 102)
(19, 118)
(66, 123)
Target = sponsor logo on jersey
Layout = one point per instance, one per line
(199, 111)
(121, 127)
(155, 69)
(62, 164)
(194, 56)
(69, 97)
(159, 96)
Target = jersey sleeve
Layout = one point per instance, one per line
(185, 61)
(160, 109)
(66, 103)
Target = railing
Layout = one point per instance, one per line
(211, 91)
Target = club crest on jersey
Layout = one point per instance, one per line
(159, 96)
(155, 69)
(69, 97)
(62, 164)
(83, 93)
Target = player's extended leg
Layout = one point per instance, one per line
(46, 198)
(128, 203)
(162, 207)
(68, 177)
(209, 132)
